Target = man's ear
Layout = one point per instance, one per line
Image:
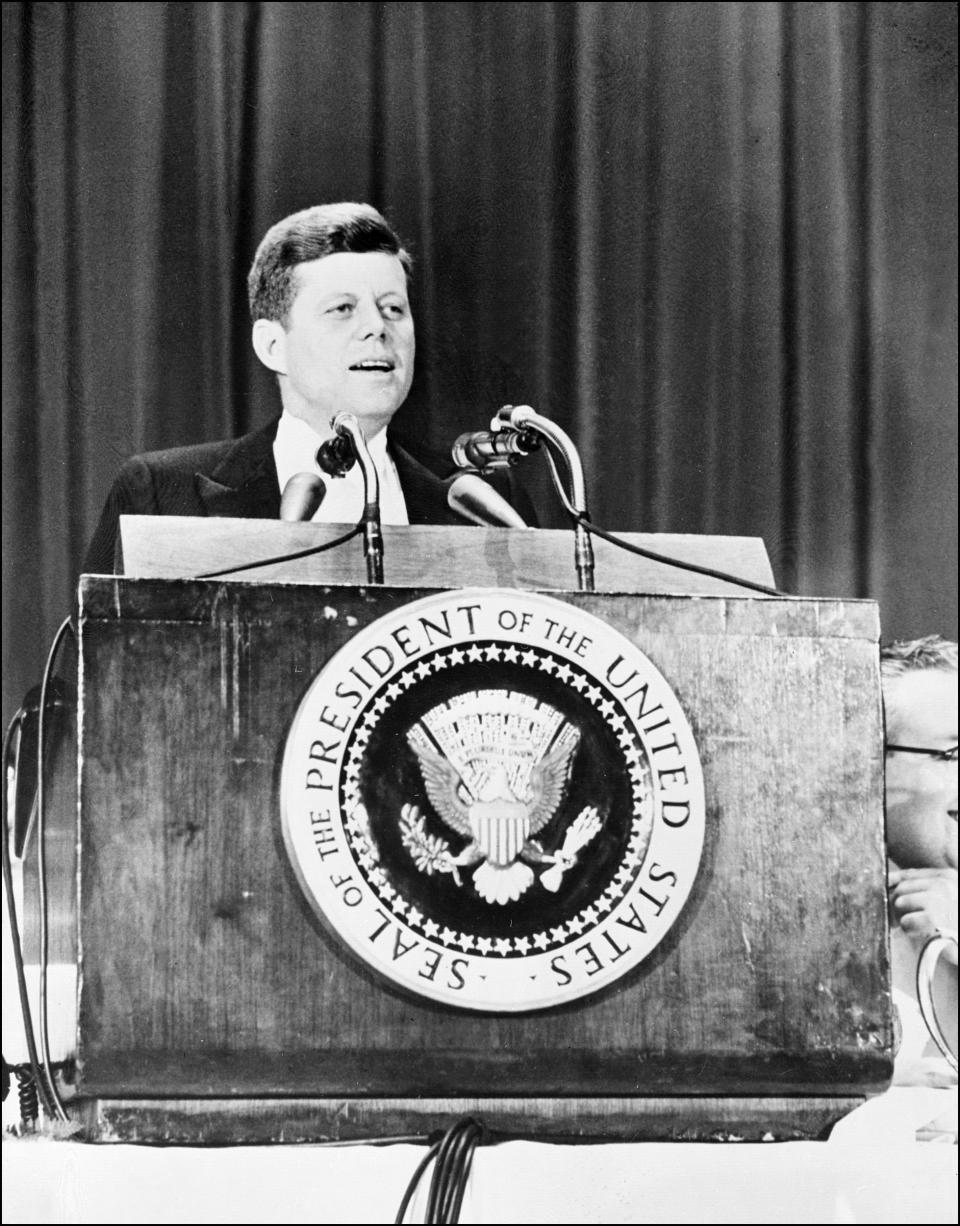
(269, 339)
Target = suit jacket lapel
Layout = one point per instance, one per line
(423, 491)
(244, 484)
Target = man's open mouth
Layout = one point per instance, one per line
(383, 365)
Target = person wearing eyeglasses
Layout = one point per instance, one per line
(919, 680)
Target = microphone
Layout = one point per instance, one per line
(301, 497)
(471, 497)
(336, 455)
(523, 419)
(347, 428)
(481, 449)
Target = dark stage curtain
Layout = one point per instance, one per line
(715, 242)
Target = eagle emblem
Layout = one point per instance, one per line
(495, 767)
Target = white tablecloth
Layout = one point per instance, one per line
(872, 1169)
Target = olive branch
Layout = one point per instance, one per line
(429, 853)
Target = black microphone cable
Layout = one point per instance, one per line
(42, 1067)
(452, 1170)
(453, 1157)
(285, 557)
(415, 1180)
(58, 639)
(33, 1057)
(590, 527)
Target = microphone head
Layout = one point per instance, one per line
(336, 456)
(472, 498)
(463, 452)
(483, 449)
(302, 496)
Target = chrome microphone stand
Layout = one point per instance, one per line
(522, 417)
(346, 426)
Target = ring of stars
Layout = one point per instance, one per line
(367, 856)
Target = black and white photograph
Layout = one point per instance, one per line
(480, 612)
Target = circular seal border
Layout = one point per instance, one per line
(335, 858)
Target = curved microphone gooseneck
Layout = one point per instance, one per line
(513, 435)
(346, 426)
(523, 419)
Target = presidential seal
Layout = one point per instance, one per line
(494, 799)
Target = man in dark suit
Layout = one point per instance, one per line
(332, 320)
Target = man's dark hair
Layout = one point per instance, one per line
(311, 234)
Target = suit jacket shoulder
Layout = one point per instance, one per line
(237, 478)
(232, 477)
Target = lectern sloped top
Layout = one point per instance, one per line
(168, 547)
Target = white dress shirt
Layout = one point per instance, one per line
(294, 451)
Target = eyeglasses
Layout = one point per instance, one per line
(941, 755)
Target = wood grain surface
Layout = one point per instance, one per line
(168, 547)
(249, 1121)
(205, 973)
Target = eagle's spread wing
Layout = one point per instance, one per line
(441, 781)
(548, 779)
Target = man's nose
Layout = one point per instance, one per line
(370, 321)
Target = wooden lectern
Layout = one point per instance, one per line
(215, 1006)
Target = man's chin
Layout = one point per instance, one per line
(372, 412)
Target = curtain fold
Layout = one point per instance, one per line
(715, 242)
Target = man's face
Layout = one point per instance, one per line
(922, 790)
(348, 345)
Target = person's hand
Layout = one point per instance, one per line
(923, 901)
